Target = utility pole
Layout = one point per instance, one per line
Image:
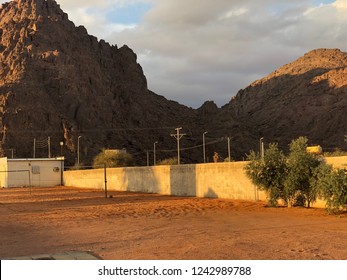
(154, 153)
(261, 147)
(78, 151)
(34, 147)
(229, 154)
(204, 146)
(178, 137)
(49, 147)
(61, 143)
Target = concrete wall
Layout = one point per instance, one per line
(337, 162)
(223, 180)
(3, 173)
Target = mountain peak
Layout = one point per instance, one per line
(305, 97)
(313, 63)
(32, 9)
(57, 81)
(319, 58)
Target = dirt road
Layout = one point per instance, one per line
(148, 226)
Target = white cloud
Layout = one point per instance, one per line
(228, 44)
(193, 51)
(94, 15)
(340, 4)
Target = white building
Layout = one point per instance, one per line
(38, 172)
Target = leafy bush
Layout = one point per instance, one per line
(336, 153)
(113, 158)
(299, 178)
(168, 161)
(331, 185)
(77, 167)
(301, 168)
(268, 173)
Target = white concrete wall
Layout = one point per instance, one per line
(226, 180)
(3, 173)
(222, 180)
(337, 162)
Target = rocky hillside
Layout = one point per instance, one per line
(307, 97)
(58, 81)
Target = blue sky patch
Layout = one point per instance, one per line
(128, 14)
(317, 2)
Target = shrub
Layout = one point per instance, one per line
(336, 153)
(299, 178)
(77, 167)
(331, 185)
(301, 168)
(268, 173)
(168, 161)
(113, 158)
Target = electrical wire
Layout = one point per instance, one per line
(219, 140)
(91, 130)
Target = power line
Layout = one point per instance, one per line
(90, 130)
(219, 140)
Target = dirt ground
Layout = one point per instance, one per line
(147, 226)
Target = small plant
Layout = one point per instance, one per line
(168, 161)
(336, 153)
(113, 158)
(77, 167)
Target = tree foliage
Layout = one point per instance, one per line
(331, 185)
(268, 173)
(299, 177)
(301, 168)
(113, 158)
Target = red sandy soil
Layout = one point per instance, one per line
(149, 226)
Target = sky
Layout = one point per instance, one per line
(194, 51)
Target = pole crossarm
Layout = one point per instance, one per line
(178, 136)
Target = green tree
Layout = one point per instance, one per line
(301, 169)
(300, 177)
(113, 158)
(331, 185)
(268, 173)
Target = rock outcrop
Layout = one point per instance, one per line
(307, 97)
(58, 82)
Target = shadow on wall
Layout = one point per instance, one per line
(148, 179)
(211, 193)
(183, 180)
(177, 180)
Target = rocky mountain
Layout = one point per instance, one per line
(307, 97)
(58, 83)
